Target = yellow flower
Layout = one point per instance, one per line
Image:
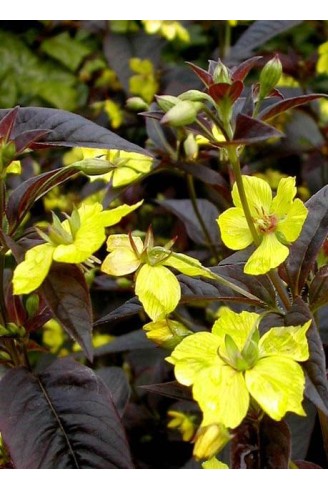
(156, 286)
(214, 464)
(278, 221)
(210, 440)
(228, 366)
(72, 241)
(183, 422)
(166, 333)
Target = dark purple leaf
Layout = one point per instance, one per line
(7, 123)
(220, 91)
(249, 130)
(116, 381)
(67, 129)
(318, 292)
(172, 389)
(24, 196)
(207, 175)
(257, 34)
(28, 139)
(126, 310)
(241, 71)
(304, 251)
(62, 418)
(301, 429)
(205, 77)
(129, 341)
(67, 295)
(231, 268)
(160, 135)
(183, 209)
(283, 105)
(316, 388)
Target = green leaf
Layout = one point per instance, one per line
(65, 49)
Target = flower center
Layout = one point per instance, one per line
(266, 223)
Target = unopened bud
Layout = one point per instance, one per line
(221, 73)
(190, 147)
(195, 96)
(270, 76)
(166, 333)
(182, 114)
(32, 305)
(136, 104)
(210, 440)
(94, 166)
(166, 102)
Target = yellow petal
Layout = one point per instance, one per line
(30, 273)
(121, 261)
(214, 464)
(289, 342)
(123, 176)
(210, 440)
(277, 384)
(158, 290)
(222, 396)
(235, 233)
(268, 255)
(258, 193)
(291, 226)
(117, 241)
(113, 216)
(193, 355)
(285, 194)
(237, 325)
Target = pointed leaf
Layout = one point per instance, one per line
(184, 210)
(241, 71)
(318, 292)
(129, 308)
(230, 268)
(129, 341)
(67, 129)
(207, 175)
(249, 130)
(283, 105)
(24, 196)
(259, 33)
(172, 389)
(304, 251)
(67, 295)
(65, 416)
(205, 77)
(316, 388)
(116, 381)
(232, 91)
(7, 123)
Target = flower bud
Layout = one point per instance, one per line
(166, 333)
(221, 73)
(195, 96)
(270, 76)
(32, 305)
(182, 114)
(136, 104)
(166, 102)
(94, 166)
(190, 147)
(210, 440)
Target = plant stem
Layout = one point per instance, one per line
(273, 275)
(193, 197)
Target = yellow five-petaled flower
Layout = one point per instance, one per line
(72, 241)
(277, 220)
(232, 364)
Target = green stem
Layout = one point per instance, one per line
(274, 276)
(193, 198)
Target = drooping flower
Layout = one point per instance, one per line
(72, 241)
(183, 422)
(156, 286)
(278, 221)
(232, 364)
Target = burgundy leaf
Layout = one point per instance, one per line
(205, 77)
(220, 91)
(249, 130)
(129, 308)
(27, 139)
(24, 196)
(62, 418)
(304, 251)
(283, 105)
(171, 389)
(7, 123)
(67, 129)
(318, 292)
(116, 381)
(67, 295)
(241, 71)
(207, 175)
(129, 341)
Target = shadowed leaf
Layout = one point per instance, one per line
(129, 308)
(67, 129)
(66, 418)
(249, 130)
(128, 341)
(318, 292)
(304, 251)
(67, 295)
(172, 389)
(116, 381)
(283, 105)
